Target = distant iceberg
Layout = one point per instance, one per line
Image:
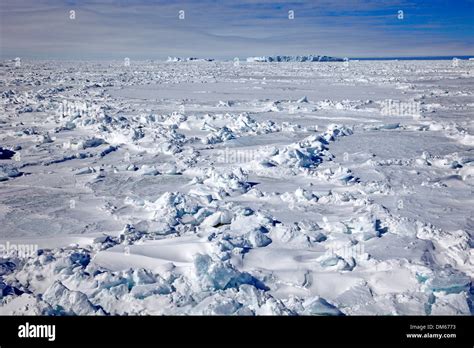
(309, 58)
(189, 59)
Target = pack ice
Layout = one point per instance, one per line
(204, 187)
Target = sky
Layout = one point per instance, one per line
(224, 29)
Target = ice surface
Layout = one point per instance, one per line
(200, 187)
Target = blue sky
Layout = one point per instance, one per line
(151, 29)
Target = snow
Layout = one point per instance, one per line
(206, 187)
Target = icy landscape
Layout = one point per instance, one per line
(243, 188)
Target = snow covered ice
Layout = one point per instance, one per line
(276, 186)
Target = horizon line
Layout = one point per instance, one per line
(421, 57)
